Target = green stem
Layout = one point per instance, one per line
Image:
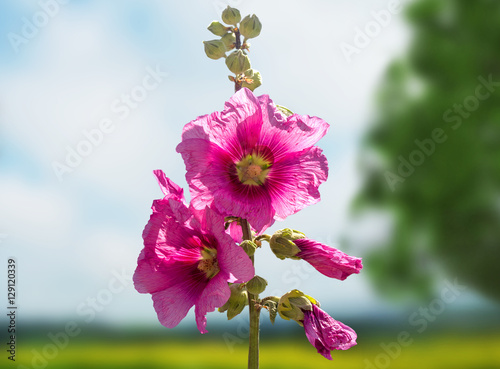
(253, 340)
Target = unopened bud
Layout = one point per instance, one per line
(231, 16)
(293, 304)
(217, 28)
(238, 62)
(282, 244)
(256, 285)
(236, 302)
(250, 26)
(252, 79)
(248, 245)
(215, 49)
(229, 40)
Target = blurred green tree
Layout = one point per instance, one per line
(437, 144)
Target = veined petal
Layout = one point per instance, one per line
(289, 134)
(293, 181)
(254, 205)
(215, 294)
(328, 260)
(172, 304)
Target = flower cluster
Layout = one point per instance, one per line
(252, 162)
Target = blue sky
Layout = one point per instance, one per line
(74, 233)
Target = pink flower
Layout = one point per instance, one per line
(328, 260)
(252, 161)
(326, 333)
(187, 259)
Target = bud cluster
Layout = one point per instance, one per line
(237, 61)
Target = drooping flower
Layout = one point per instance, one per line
(333, 263)
(188, 259)
(328, 260)
(252, 161)
(322, 331)
(327, 334)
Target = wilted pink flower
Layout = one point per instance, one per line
(326, 333)
(328, 260)
(187, 259)
(252, 161)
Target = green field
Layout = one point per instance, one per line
(442, 351)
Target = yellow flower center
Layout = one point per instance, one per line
(252, 170)
(208, 262)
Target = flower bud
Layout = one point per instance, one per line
(217, 28)
(231, 16)
(293, 304)
(236, 302)
(282, 243)
(238, 62)
(248, 245)
(252, 79)
(215, 49)
(250, 26)
(229, 40)
(256, 285)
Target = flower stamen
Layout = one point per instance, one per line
(252, 170)
(208, 262)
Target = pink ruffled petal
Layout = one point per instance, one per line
(168, 187)
(289, 134)
(215, 294)
(293, 181)
(328, 260)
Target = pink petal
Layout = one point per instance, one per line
(293, 181)
(328, 260)
(234, 230)
(146, 279)
(172, 304)
(326, 333)
(233, 261)
(215, 294)
(289, 134)
(256, 206)
(234, 129)
(168, 187)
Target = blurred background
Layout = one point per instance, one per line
(93, 98)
